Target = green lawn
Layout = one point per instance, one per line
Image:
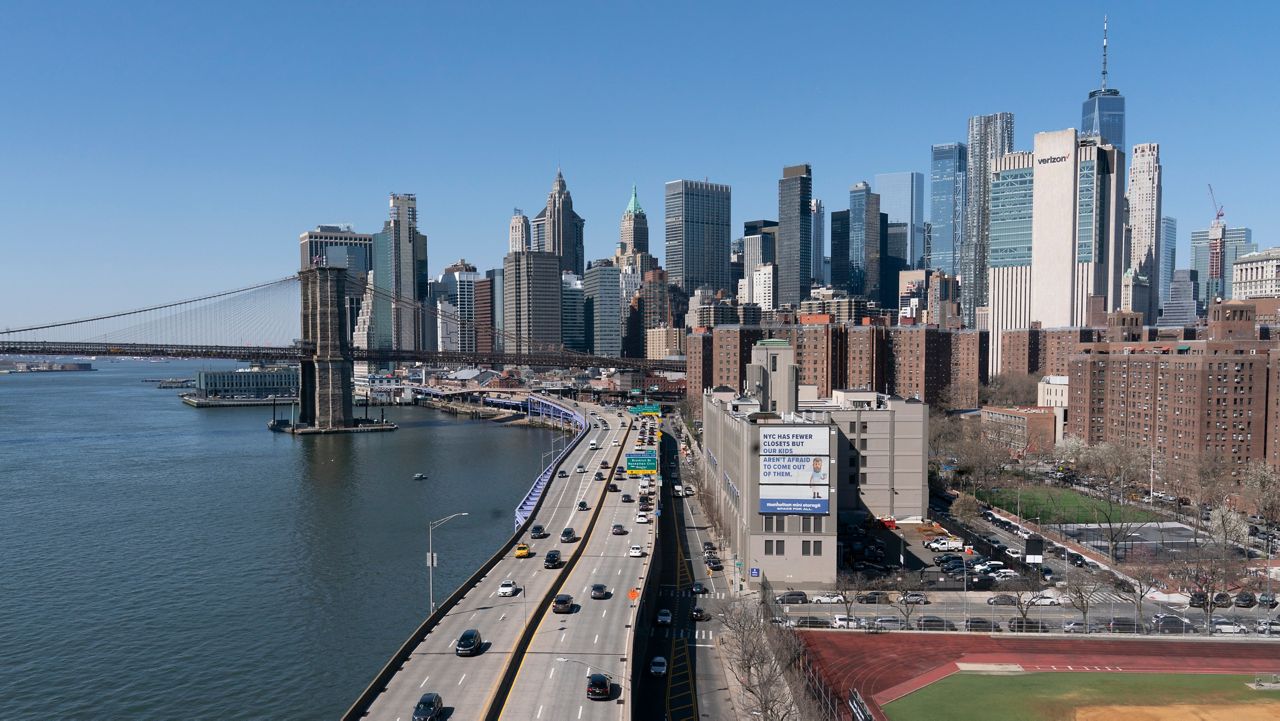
(1056, 696)
(1060, 505)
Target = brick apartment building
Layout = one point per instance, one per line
(1023, 430)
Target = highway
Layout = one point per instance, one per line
(596, 636)
(468, 684)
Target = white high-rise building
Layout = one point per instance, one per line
(763, 286)
(458, 310)
(1009, 269)
(1144, 227)
(518, 237)
(1077, 249)
(990, 138)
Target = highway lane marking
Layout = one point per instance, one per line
(553, 672)
(539, 712)
(424, 682)
(562, 636)
(579, 712)
(464, 678)
(502, 617)
(597, 639)
(605, 613)
(473, 615)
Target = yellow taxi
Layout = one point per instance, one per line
(522, 550)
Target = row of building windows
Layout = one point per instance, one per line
(778, 524)
(778, 547)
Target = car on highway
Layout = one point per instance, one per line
(604, 463)
(469, 643)
(714, 564)
(613, 488)
(636, 552)
(508, 588)
(699, 614)
(664, 617)
(658, 666)
(582, 505)
(599, 591)
(562, 474)
(626, 498)
(617, 442)
(915, 597)
(888, 623)
(1002, 599)
(934, 623)
(642, 518)
(697, 588)
(563, 603)
(981, 625)
(618, 530)
(598, 476)
(874, 597)
(1044, 599)
(828, 598)
(537, 531)
(580, 469)
(568, 535)
(552, 560)
(429, 708)
(522, 550)
(599, 686)
(1228, 626)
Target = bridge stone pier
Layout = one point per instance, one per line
(327, 364)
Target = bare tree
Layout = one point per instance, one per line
(1082, 593)
(1022, 590)
(1143, 578)
(1262, 490)
(759, 668)
(849, 584)
(1209, 569)
(1117, 468)
(981, 459)
(1010, 389)
(902, 585)
(966, 508)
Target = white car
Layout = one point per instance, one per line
(642, 518)
(508, 588)
(658, 666)
(581, 468)
(636, 552)
(1043, 600)
(616, 442)
(1013, 553)
(1005, 574)
(827, 598)
(1222, 625)
(842, 621)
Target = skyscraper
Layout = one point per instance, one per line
(602, 309)
(1184, 303)
(1077, 251)
(338, 246)
(839, 260)
(867, 242)
(1213, 253)
(1145, 243)
(519, 236)
(818, 222)
(459, 285)
(795, 235)
(559, 230)
(1168, 255)
(697, 234)
(573, 326)
(634, 235)
(902, 199)
(531, 301)
(400, 270)
(990, 137)
(756, 251)
(947, 174)
(1009, 269)
(1102, 114)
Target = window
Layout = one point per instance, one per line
(781, 525)
(768, 548)
(780, 548)
(804, 548)
(817, 525)
(806, 524)
(768, 525)
(817, 548)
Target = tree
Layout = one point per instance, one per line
(1117, 468)
(966, 509)
(980, 459)
(1143, 578)
(1010, 389)
(849, 584)
(758, 657)
(1022, 590)
(901, 584)
(1262, 490)
(1082, 592)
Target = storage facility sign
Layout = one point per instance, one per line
(795, 470)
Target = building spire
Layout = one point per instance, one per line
(1104, 52)
(633, 207)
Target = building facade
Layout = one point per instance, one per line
(948, 171)
(902, 200)
(1145, 244)
(558, 230)
(1214, 252)
(1168, 256)
(531, 286)
(990, 138)
(697, 218)
(1009, 240)
(817, 253)
(1256, 275)
(1102, 114)
(602, 309)
(794, 250)
(519, 234)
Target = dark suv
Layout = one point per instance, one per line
(469, 643)
(537, 531)
(562, 604)
(598, 686)
(429, 708)
(568, 535)
(551, 560)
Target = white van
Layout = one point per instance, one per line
(594, 445)
(677, 490)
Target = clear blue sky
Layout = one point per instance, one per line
(155, 151)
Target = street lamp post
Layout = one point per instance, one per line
(431, 555)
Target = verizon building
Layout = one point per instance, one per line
(1076, 227)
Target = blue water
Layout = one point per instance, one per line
(158, 559)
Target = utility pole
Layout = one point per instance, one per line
(431, 555)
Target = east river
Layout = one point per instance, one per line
(162, 561)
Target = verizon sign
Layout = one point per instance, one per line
(1051, 159)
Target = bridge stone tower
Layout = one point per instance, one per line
(325, 395)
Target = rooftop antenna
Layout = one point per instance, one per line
(1104, 52)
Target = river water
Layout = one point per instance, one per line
(159, 560)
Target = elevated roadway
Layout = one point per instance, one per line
(468, 685)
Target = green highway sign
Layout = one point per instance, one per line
(641, 464)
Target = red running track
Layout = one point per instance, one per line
(886, 666)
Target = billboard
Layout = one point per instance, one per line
(795, 469)
(795, 499)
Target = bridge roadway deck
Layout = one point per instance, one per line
(596, 637)
(468, 684)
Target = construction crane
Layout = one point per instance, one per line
(1218, 210)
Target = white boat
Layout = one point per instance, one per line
(419, 476)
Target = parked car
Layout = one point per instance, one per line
(934, 623)
(469, 643)
(1079, 626)
(1244, 599)
(981, 625)
(828, 598)
(791, 597)
(1268, 626)
(915, 597)
(1267, 600)
(1228, 626)
(1197, 599)
(1002, 599)
(1222, 600)
(1174, 625)
(874, 597)
(811, 622)
(1044, 599)
(888, 623)
(1120, 624)
(1018, 624)
(842, 621)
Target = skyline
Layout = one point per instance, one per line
(219, 158)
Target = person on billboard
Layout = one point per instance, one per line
(818, 477)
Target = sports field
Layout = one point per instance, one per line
(1061, 505)
(1074, 696)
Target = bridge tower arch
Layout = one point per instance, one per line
(327, 365)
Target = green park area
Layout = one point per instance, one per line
(1072, 696)
(1063, 505)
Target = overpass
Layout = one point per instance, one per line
(530, 653)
